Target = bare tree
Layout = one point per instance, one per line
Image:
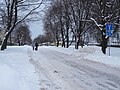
(80, 13)
(76, 17)
(102, 12)
(12, 17)
(22, 35)
(51, 23)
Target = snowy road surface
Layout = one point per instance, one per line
(59, 71)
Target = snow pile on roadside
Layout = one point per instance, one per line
(11, 79)
(112, 60)
(74, 52)
(16, 72)
(93, 53)
(67, 51)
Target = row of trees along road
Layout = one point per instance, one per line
(21, 35)
(15, 12)
(67, 20)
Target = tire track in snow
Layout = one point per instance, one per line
(83, 73)
(47, 82)
(111, 81)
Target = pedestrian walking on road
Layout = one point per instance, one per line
(36, 46)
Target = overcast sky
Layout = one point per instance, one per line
(36, 28)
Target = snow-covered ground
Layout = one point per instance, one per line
(94, 53)
(16, 72)
(52, 68)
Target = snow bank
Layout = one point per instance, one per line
(81, 52)
(112, 60)
(93, 53)
(16, 72)
(11, 79)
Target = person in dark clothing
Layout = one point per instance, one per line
(36, 46)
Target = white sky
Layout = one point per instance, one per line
(36, 28)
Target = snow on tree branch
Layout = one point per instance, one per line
(98, 25)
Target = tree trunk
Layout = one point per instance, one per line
(77, 42)
(67, 33)
(57, 43)
(4, 43)
(63, 40)
(104, 44)
(81, 41)
(67, 41)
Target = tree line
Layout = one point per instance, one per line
(67, 21)
(13, 16)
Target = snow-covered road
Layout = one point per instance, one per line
(59, 71)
